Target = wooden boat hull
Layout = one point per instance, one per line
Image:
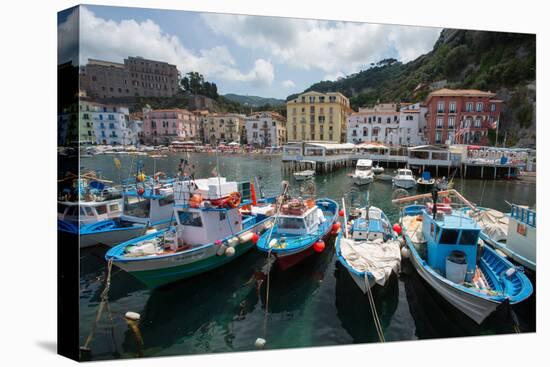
(158, 271)
(497, 245)
(286, 260)
(118, 235)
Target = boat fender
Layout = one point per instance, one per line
(246, 237)
(510, 272)
(405, 253)
(221, 250)
(402, 242)
(272, 243)
(150, 230)
(230, 251)
(259, 343)
(134, 316)
(233, 241)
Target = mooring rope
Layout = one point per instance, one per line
(377, 323)
(104, 302)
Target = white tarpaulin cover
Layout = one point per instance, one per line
(492, 222)
(377, 257)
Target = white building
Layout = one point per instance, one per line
(412, 125)
(265, 129)
(377, 124)
(111, 125)
(135, 131)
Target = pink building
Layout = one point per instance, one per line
(165, 126)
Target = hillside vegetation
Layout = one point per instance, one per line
(504, 63)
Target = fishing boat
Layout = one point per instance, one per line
(515, 233)
(363, 174)
(377, 170)
(144, 209)
(304, 175)
(215, 224)
(426, 182)
(301, 226)
(404, 179)
(446, 251)
(371, 251)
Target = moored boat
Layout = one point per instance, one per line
(377, 170)
(300, 230)
(515, 233)
(404, 179)
(446, 252)
(304, 175)
(363, 174)
(426, 182)
(371, 252)
(209, 232)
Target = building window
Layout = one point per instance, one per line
(439, 123)
(469, 106)
(451, 122)
(440, 107)
(493, 107)
(452, 107)
(438, 136)
(478, 122)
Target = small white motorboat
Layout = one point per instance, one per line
(377, 170)
(304, 175)
(404, 179)
(363, 174)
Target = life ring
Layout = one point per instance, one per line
(195, 201)
(233, 200)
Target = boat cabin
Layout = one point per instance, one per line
(404, 172)
(152, 206)
(370, 227)
(88, 212)
(363, 165)
(301, 223)
(522, 232)
(448, 235)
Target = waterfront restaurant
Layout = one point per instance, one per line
(317, 150)
(379, 152)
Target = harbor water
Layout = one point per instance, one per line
(314, 304)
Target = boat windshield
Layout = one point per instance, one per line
(137, 207)
(290, 223)
(363, 168)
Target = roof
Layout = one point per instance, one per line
(330, 146)
(430, 147)
(446, 92)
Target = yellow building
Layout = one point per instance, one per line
(314, 116)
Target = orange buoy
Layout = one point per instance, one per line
(195, 201)
(319, 246)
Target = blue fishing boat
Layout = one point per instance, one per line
(371, 250)
(300, 230)
(216, 222)
(446, 251)
(514, 233)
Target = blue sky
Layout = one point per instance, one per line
(265, 56)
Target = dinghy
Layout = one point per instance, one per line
(215, 224)
(300, 230)
(426, 182)
(447, 253)
(372, 251)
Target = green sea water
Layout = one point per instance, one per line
(314, 304)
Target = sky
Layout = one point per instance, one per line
(248, 55)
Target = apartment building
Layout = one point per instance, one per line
(461, 116)
(374, 124)
(314, 116)
(265, 129)
(110, 123)
(136, 77)
(223, 128)
(162, 126)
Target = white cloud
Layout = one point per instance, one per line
(333, 47)
(288, 84)
(111, 40)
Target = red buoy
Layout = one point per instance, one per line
(255, 238)
(336, 227)
(319, 246)
(397, 228)
(341, 212)
(141, 191)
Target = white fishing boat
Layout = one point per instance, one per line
(514, 234)
(214, 226)
(363, 174)
(404, 179)
(371, 252)
(445, 250)
(304, 175)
